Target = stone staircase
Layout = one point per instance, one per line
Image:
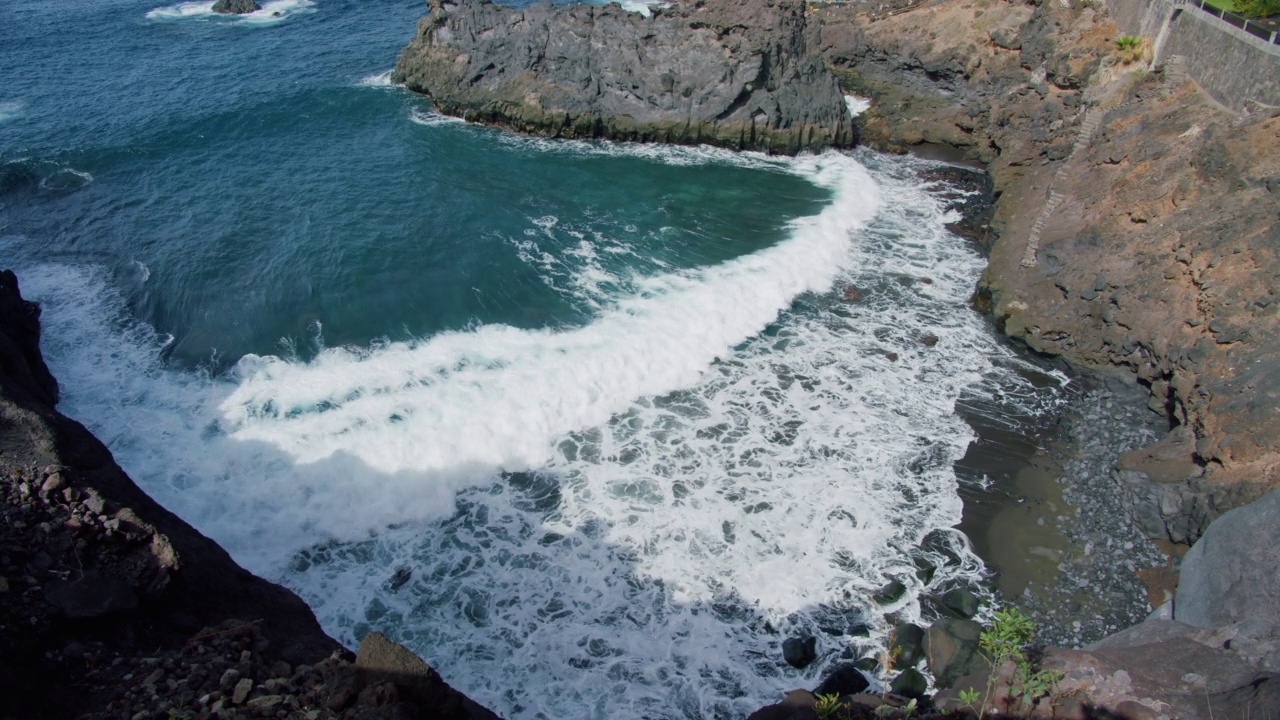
(1175, 74)
(1092, 119)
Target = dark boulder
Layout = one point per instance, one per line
(846, 679)
(236, 7)
(891, 593)
(800, 651)
(952, 649)
(961, 602)
(908, 644)
(909, 683)
(741, 74)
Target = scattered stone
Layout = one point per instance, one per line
(241, 691)
(53, 484)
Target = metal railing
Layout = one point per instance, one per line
(1250, 26)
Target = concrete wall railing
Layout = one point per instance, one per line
(1225, 54)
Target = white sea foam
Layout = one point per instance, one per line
(643, 7)
(430, 118)
(378, 80)
(857, 105)
(692, 477)
(272, 12)
(10, 110)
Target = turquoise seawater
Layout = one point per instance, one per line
(591, 427)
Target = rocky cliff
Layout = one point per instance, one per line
(742, 75)
(111, 606)
(1135, 227)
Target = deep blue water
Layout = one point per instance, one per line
(610, 405)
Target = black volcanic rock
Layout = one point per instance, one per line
(101, 587)
(741, 74)
(236, 7)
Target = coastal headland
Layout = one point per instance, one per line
(1133, 234)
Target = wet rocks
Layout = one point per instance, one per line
(952, 648)
(236, 7)
(800, 651)
(844, 680)
(961, 602)
(909, 683)
(908, 644)
(741, 75)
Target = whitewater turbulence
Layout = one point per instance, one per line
(623, 519)
(272, 12)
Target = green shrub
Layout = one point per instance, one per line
(1257, 8)
(1132, 48)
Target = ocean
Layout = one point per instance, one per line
(591, 427)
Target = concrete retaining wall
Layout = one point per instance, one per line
(1235, 67)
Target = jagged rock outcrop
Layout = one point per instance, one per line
(236, 7)
(737, 74)
(111, 606)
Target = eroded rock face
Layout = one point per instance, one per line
(1135, 226)
(236, 7)
(737, 74)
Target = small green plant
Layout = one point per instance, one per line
(827, 706)
(1131, 48)
(1003, 643)
(969, 698)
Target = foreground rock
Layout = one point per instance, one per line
(236, 7)
(111, 606)
(741, 74)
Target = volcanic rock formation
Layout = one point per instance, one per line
(743, 75)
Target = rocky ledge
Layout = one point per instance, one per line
(743, 75)
(113, 607)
